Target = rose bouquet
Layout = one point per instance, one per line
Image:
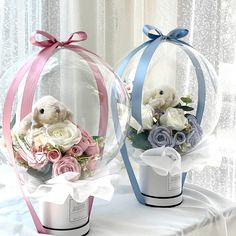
(56, 149)
(166, 124)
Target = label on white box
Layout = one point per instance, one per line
(78, 211)
(174, 182)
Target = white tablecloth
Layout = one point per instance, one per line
(201, 213)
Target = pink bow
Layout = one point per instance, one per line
(51, 40)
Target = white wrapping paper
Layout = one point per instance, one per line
(56, 190)
(206, 153)
(163, 160)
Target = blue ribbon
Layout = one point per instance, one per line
(173, 35)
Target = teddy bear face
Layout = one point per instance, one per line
(48, 111)
(161, 98)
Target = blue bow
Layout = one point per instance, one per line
(174, 35)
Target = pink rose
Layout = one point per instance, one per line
(66, 164)
(38, 160)
(86, 140)
(93, 149)
(75, 150)
(86, 135)
(54, 155)
(92, 164)
(84, 143)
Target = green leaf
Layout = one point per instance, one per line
(178, 105)
(184, 108)
(186, 100)
(140, 140)
(187, 108)
(43, 174)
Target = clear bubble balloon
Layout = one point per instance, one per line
(171, 66)
(79, 88)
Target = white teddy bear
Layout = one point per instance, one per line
(155, 99)
(160, 98)
(47, 110)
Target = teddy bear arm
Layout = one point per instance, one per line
(156, 102)
(25, 124)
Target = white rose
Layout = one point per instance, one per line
(147, 119)
(147, 116)
(64, 134)
(174, 118)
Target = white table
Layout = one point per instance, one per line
(201, 213)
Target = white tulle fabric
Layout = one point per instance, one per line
(56, 190)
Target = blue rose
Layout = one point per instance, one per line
(195, 135)
(161, 136)
(179, 138)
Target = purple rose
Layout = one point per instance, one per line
(195, 136)
(161, 136)
(179, 138)
(192, 120)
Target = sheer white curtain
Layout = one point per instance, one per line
(213, 31)
(18, 19)
(115, 26)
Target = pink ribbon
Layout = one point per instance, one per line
(51, 40)
(34, 67)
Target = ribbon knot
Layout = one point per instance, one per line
(154, 33)
(51, 40)
(62, 43)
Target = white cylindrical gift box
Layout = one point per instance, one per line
(158, 190)
(70, 218)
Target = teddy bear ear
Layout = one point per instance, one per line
(69, 115)
(175, 100)
(64, 110)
